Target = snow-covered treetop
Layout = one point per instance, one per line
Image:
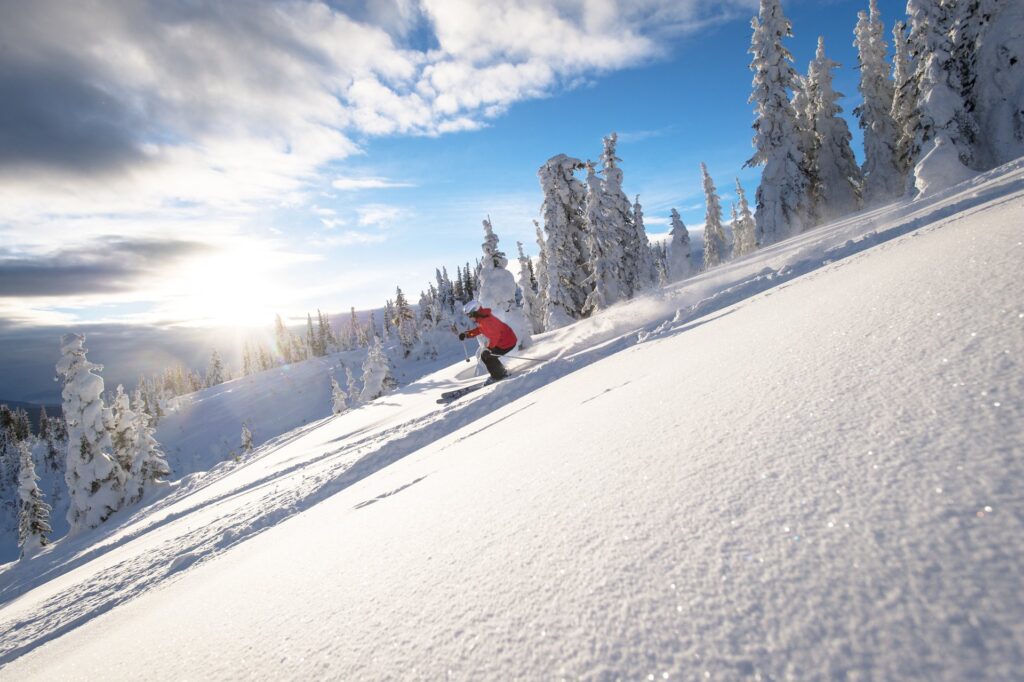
(493, 256)
(773, 78)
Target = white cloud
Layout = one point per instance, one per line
(350, 238)
(351, 184)
(379, 215)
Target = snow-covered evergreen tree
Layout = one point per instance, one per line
(904, 100)
(714, 235)
(745, 229)
(566, 244)
(245, 440)
(782, 197)
(95, 481)
(405, 322)
(377, 375)
(122, 433)
(215, 370)
(531, 305)
(339, 400)
(944, 137)
(883, 178)
(836, 178)
(647, 275)
(283, 339)
(605, 248)
(988, 55)
(34, 514)
(352, 388)
(620, 223)
(497, 289)
(149, 467)
(680, 263)
(542, 276)
(803, 107)
(312, 347)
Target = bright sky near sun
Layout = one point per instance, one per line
(166, 162)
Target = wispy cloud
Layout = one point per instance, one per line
(379, 215)
(350, 238)
(352, 184)
(633, 136)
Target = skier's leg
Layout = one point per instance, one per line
(493, 364)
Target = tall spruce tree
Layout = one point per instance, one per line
(605, 248)
(680, 263)
(618, 214)
(149, 467)
(782, 196)
(95, 481)
(714, 235)
(904, 99)
(944, 137)
(34, 514)
(883, 178)
(566, 242)
(745, 229)
(836, 188)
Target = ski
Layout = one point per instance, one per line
(450, 396)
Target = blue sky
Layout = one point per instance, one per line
(169, 165)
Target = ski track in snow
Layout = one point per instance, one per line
(206, 514)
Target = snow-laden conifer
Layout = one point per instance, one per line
(498, 287)
(405, 322)
(618, 214)
(680, 263)
(803, 107)
(351, 387)
(149, 468)
(95, 481)
(782, 196)
(744, 229)
(989, 58)
(339, 400)
(122, 433)
(542, 276)
(531, 304)
(943, 145)
(714, 236)
(566, 252)
(312, 347)
(883, 178)
(377, 374)
(647, 274)
(605, 248)
(836, 175)
(904, 99)
(245, 440)
(215, 370)
(34, 514)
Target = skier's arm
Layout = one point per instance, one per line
(475, 331)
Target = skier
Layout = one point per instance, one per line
(501, 339)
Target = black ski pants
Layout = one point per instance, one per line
(493, 364)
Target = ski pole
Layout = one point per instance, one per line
(465, 350)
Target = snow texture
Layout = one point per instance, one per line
(803, 464)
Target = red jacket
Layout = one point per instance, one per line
(499, 334)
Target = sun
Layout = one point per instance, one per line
(233, 287)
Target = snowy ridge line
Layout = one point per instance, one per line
(170, 549)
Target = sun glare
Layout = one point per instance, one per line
(234, 288)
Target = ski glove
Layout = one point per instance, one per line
(462, 336)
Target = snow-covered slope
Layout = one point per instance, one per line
(806, 464)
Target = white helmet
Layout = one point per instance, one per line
(471, 307)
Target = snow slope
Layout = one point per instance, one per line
(805, 464)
